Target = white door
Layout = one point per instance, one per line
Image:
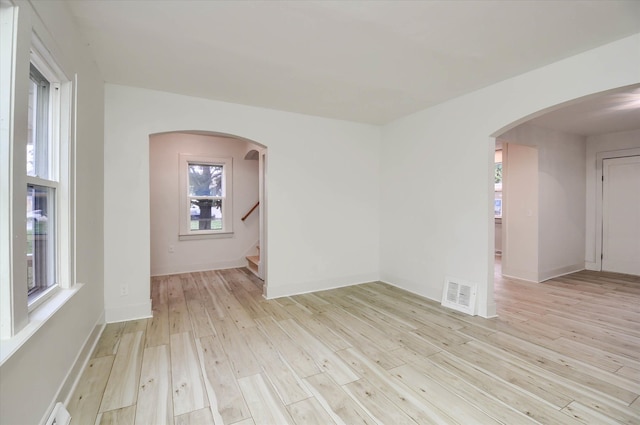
(621, 215)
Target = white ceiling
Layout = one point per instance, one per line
(600, 114)
(361, 61)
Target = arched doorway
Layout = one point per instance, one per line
(571, 140)
(203, 189)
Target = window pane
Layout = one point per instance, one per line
(38, 141)
(40, 239)
(498, 173)
(205, 180)
(497, 205)
(206, 214)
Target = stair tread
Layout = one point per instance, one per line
(255, 259)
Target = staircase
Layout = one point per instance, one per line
(253, 262)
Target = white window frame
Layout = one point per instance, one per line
(185, 232)
(20, 316)
(61, 163)
(52, 181)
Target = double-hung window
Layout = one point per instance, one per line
(49, 229)
(205, 204)
(36, 163)
(43, 183)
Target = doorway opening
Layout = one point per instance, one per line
(619, 211)
(207, 203)
(574, 140)
(497, 207)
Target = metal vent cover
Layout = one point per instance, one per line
(459, 295)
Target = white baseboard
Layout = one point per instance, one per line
(431, 293)
(491, 308)
(128, 312)
(189, 268)
(527, 276)
(560, 271)
(491, 311)
(272, 292)
(68, 386)
(592, 265)
(83, 359)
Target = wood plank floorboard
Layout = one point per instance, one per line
(86, 400)
(566, 351)
(123, 416)
(122, 387)
(189, 392)
(155, 402)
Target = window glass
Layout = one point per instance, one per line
(205, 196)
(497, 206)
(40, 239)
(206, 199)
(205, 180)
(38, 140)
(41, 188)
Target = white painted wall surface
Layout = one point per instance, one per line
(46, 365)
(437, 173)
(561, 190)
(605, 144)
(521, 191)
(201, 254)
(323, 188)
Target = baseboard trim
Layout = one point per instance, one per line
(319, 285)
(526, 276)
(190, 268)
(561, 271)
(434, 294)
(128, 312)
(386, 281)
(591, 265)
(70, 382)
(490, 311)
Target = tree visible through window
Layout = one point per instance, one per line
(205, 196)
(497, 206)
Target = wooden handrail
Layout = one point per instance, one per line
(250, 211)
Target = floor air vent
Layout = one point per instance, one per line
(59, 416)
(459, 295)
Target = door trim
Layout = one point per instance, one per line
(600, 157)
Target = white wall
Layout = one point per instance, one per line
(200, 254)
(437, 174)
(561, 191)
(323, 184)
(521, 193)
(607, 145)
(43, 369)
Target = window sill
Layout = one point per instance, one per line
(195, 236)
(36, 300)
(37, 318)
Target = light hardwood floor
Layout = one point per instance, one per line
(563, 352)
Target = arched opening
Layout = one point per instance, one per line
(553, 161)
(207, 203)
